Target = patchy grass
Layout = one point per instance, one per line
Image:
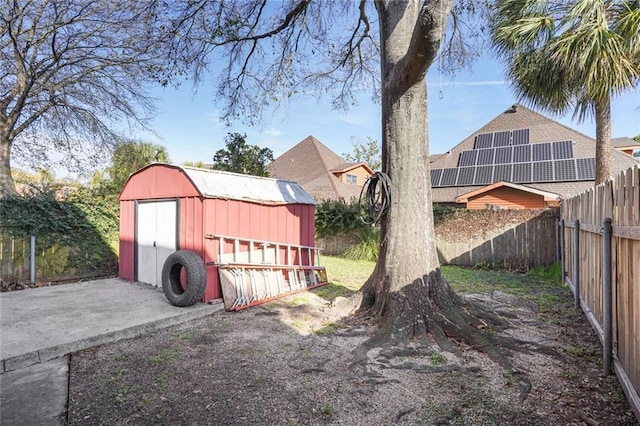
(330, 291)
(165, 357)
(437, 358)
(349, 274)
(586, 352)
(473, 405)
(185, 336)
(540, 285)
(326, 409)
(327, 329)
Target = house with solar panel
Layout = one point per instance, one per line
(520, 159)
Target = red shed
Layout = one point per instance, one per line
(224, 218)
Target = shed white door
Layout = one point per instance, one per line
(155, 238)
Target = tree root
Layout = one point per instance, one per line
(427, 314)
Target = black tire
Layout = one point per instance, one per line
(196, 278)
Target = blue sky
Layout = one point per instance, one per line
(189, 127)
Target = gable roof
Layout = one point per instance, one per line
(311, 164)
(227, 185)
(548, 196)
(346, 167)
(625, 142)
(564, 157)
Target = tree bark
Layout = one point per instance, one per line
(7, 186)
(406, 287)
(603, 140)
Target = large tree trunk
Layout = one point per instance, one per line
(407, 290)
(406, 287)
(603, 140)
(7, 186)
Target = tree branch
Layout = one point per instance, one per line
(426, 39)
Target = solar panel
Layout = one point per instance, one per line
(565, 170)
(562, 150)
(485, 156)
(586, 168)
(543, 171)
(436, 174)
(483, 140)
(466, 175)
(522, 153)
(484, 175)
(502, 172)
(449, 177)
(541, 151)
(502, 139)
(521, 137)
(503, 155)
(467, 158)
(522, 172)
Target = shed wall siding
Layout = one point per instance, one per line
(158, 182)
(127, 240)
(198, 216)
(507, 198)
(285, 224)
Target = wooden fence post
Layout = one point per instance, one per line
(32, 259)
(558, 255)
(607, 354)
(562, 247)
(576, 264)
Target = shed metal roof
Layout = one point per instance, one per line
(235, 186)
(218, 184)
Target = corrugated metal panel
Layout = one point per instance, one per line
(127, 240)
(165, 181)
(277, 223)
(158, 181)
(217, 184)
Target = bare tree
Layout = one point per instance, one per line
(341, 48)
(368, 152)
(72, 76)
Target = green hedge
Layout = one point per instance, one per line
(84, 226)
(335, 217)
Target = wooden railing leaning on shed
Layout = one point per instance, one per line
(600, 247)
(255, 271)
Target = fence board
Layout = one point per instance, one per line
(521, 246)
(51, 262)
(618, 199)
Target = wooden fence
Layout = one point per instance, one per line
(520, 246)
(51, 263)
(600, 249)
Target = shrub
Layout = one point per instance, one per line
(335, 217)
(82, 229)
(367, 245)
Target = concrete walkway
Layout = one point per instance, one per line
(39, 327)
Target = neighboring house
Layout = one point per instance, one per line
(320, 171)
(627, 145)
(520, 159)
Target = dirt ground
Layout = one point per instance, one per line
(290, 362)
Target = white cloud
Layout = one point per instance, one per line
(470, 83)
(272, 132)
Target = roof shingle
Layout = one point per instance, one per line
(541, 129)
